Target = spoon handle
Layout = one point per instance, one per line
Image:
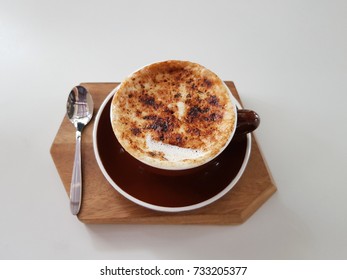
(76, 181)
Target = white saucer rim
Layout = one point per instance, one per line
(157, 207)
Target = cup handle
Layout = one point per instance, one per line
(247, 121)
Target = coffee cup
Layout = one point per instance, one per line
(175, 117)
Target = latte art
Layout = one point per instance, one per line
(171, 152)
(173, 115)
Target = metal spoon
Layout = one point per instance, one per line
(79, 110)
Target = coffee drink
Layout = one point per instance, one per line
(173, 115)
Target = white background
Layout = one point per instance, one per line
(288, 60)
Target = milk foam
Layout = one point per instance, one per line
(181, 109)
(172, 153)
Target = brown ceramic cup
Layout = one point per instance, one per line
(176, 116)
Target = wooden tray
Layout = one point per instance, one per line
(101, 203)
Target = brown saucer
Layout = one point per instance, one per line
(160, 192)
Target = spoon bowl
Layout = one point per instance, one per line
(79, 110)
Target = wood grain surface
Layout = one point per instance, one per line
(101, 203)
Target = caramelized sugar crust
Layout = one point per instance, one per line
(178, 103)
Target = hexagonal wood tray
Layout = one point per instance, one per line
(101, 203)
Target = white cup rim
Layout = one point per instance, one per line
(178, 168)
